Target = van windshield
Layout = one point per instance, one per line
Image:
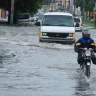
(58, 20)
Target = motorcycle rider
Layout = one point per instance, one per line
(85, 42)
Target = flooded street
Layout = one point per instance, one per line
(30, 68)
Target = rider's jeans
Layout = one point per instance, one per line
(80, 58)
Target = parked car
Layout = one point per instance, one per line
(78, 24)
(39, 19)
(25, 18)
(57, 27)
(35, 18)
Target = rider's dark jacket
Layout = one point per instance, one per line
(84, 43)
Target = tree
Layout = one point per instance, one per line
(86, 6)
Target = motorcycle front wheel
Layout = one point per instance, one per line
(88, 70)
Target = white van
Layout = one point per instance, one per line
(57, 27)
(78, 24)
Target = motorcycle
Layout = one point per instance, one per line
(86, 55)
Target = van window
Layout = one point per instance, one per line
(58, 20)
(76, 20)
(23, 16)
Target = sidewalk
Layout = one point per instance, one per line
(89, 24)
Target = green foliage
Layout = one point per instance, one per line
(4, 4)
(88, 4)
(28, 5)
(22, 5)
(47, 2)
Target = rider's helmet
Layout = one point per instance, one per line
(86, 34)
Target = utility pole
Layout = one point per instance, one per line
(65, 5)
(48, 5)
(74, 6)
(71, 6)
(83, 10)
(52, 4)
(12, 12)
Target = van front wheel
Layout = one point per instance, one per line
(40, 40)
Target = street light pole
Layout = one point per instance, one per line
(12, 12)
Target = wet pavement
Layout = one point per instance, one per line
(30, 68)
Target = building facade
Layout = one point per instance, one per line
(2, 13)
(65, 5)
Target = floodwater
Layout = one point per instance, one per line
(30, 68)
